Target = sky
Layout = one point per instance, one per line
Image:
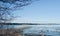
(43, 11)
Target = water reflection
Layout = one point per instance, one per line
(53, 30)
(37, 30)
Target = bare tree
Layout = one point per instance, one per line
(7, 6)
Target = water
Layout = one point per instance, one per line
(53, 30)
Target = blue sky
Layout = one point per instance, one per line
(43, 11)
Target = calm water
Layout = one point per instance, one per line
(53, 30)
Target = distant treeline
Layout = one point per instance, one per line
(27, 24)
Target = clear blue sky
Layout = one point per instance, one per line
(43, 11)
